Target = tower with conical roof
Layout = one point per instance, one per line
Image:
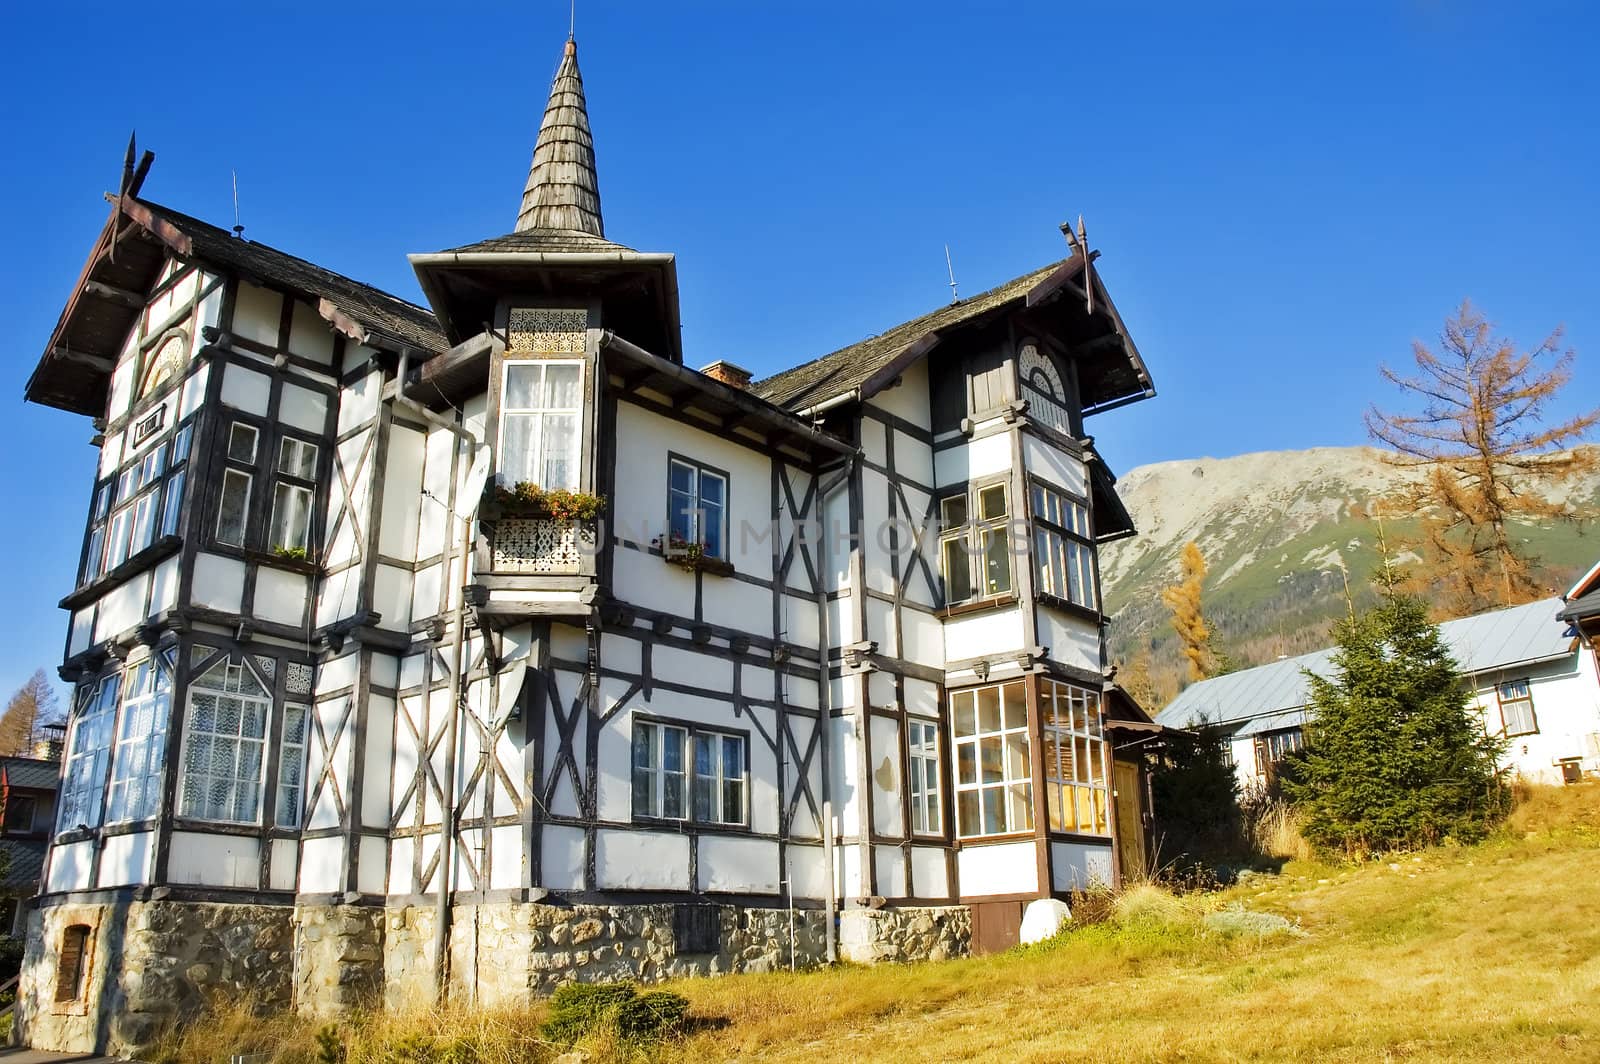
(558, 253)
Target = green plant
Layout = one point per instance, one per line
(1395, 755)
(291, 554)
(559, 503)
(686, 553)
(579, 1010)
(330, 1047)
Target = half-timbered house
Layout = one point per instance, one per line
(713, 675)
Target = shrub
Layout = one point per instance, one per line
(579, 1010)
(1395, 757)
(10, 957)
(1195, 797)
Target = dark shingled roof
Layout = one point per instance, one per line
(563, 190)
(848, 367)
(24, 865)
(391, 320)
(555, 241)
(31, 772)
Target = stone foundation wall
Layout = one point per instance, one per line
(874, 936)
(157, 962)
(339, 957)
(149, 965)
(511, 952)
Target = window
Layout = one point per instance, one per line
(922, 740)
(697, 500)
(994, 792)
(1516, 708)
(224, 740)
(72, 966)
(19, 814)
(141, 743)
(84, 778)
(975, 545)
(141, 503)
(1074, 759)
(1273, 747)
(1063, 547)
(233, 504)
(659, 772)
(292, 766)
(541, 404)
(719, 778)
(714, 780)
(94, 554)
(292, 495)
(1043, 388)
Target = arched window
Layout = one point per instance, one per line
(1043, 387)
(165, 363)
(72, 968)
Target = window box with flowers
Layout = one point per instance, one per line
(692, 556)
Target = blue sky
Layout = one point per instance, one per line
(1284, 194)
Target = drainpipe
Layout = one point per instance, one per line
(442, 910)
(825, 697)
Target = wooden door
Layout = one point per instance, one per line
(1129, 804)
(996, 926)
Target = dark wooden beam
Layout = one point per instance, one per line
(99, 362)
(131, 300)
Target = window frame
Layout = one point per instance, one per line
(1072, 783)
(690, 733)
(972, 536)
(1008, 780)
(1271, 747)
(925, 777)
(150, 742)
(1048, 532)
(191, 733)
(97, 706)
(294, 482)
(14, 802)
(700, 471)
(505, 411)
(300, 751)
(1525, 699)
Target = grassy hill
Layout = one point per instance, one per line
(1488, 952)
(1279, 531)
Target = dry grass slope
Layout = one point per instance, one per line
(1489, 952)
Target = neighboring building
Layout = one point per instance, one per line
(27, 813)
(635, 726)
(1531, 681)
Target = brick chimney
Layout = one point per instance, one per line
(727, 373)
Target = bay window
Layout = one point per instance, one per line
(1063, 547)
(541, 407)
(993, 787)
(922, 744)
(224, 743)
(975, 544)
(697, 501)
(141, 740)
(83, 777)
(140, 504)
(682, 772)
(1074, 758)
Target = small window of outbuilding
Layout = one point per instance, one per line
(72, 969)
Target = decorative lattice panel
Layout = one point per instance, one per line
(297, 678)
(548, 330)
(536, 545)
(268, 666)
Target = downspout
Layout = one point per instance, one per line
(825, 698)
(442, 910)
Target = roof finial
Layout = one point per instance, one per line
(955, 297)
(572, 23)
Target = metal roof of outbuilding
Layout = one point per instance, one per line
(1487, 642)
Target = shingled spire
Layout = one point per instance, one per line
(563, 192)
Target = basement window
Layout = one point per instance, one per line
(72, 967)
(696, 929)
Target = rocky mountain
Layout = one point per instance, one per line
(1281, 532)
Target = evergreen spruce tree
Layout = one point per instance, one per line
(1195, 796)
(1395, 754)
